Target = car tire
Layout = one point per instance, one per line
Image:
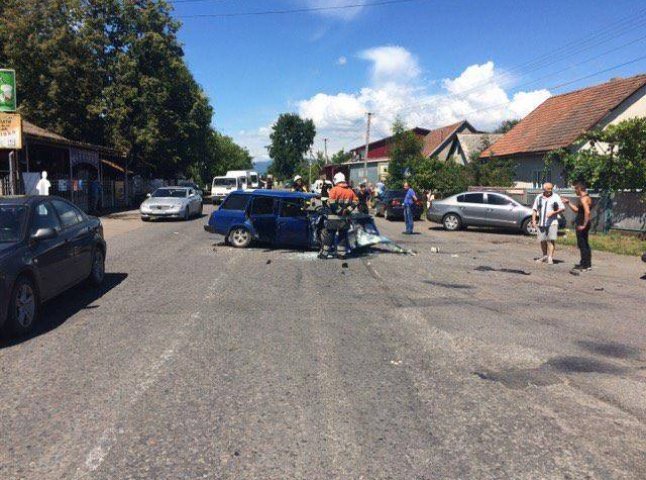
(240, 237)
(145, 219)
(187, 214)
(24, 307)
(452, 222)
(527, 227)
(97, 272)
(387, 216)
(200, 210)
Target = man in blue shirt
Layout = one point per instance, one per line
(409, 199)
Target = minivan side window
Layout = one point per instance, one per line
(235, 202)
(262, 206)
(471, 198)
(493, 199)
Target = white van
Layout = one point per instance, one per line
(223, 186)
(251, 178)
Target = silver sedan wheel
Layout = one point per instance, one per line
(451, 222)
(98, 268)
(25, 305)
(240, 238)
(531, 229)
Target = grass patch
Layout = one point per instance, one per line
(610, 242)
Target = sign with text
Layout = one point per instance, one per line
(10, 131)
(7, 90)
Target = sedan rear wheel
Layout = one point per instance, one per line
(23, 309)
(528, 228)
(452, 222)
(187, 213)
(240, 237)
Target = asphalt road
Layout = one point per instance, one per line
(197, 360)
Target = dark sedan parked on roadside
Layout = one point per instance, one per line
(47, 245)
(391, 206)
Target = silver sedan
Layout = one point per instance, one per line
(481, 209)
(171, 202)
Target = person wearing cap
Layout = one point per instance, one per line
(299, 186)
(342, 200)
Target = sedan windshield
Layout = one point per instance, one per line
(170, 193)
(12, 222)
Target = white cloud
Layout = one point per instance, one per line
(396, 89)
(340, 13)
(391, 64)
(342, 60)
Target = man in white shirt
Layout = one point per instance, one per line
(545, 211)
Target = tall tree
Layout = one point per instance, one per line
(405, 155)
(224, 154)
(291, 138)
(506, 125)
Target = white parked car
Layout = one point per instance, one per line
(171, 202)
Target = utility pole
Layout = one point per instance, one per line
(325, 143)
(365, 155)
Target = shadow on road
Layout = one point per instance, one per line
(56, 311)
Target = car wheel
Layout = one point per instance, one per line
(452, 222)
(23, 307)
(97, 274)
(387, 216)
(528, 228)
(187, 214)
(145, 219)
(240, 237)
(200, 209)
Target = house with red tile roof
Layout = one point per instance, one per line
(560, 121)
(454, 142)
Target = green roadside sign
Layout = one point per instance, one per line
(7, 90)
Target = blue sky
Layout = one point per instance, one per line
(430, 62)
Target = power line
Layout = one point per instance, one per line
(464, 94)
(299, 10)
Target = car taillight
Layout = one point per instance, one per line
(395, 203)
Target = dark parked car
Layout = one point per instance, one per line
(193, 185)
(391, 206)
(47, 245)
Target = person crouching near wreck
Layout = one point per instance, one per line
(342, 200)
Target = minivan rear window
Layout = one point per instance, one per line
(235, 202)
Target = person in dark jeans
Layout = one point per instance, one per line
(364, 198)
(582, 223)
(410, 198)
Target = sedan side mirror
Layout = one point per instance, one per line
(44, 234)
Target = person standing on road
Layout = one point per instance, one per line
(582, 224)
(545, 211)
(269, 183)
(410, 198)
(364, 198)
(342, 200)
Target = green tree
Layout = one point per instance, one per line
(340, 157)
(506, 125)
(615, 159)
(109, 72)
(405, 155)
(224, 154)
(311, 165)
(291, 138)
